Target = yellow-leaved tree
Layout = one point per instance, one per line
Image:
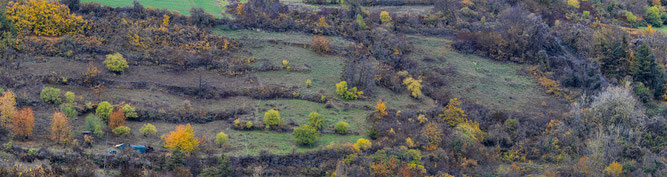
(7, 107)
(453, 115)
(43, 18)
(381, 109)
(181, 139)
(414, 85)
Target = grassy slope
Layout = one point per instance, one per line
(182, 6)
(661, 29)
(493, 84)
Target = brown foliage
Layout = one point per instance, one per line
(23, 122)
(61, 131)
(320, 44)
(116, 118)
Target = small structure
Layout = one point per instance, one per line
(141, 148)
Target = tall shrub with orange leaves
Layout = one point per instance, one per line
(61, 131)
(117, 118)
(7, 107)
(181, 139)
(23, 122)
(43, 18)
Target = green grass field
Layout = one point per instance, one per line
(183, 6)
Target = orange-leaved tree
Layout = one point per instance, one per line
(60, 128)
(43, 18)
(7, 107)
(23, 122)
(117, 118)
(181, 139)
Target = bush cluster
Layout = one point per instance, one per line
(121, 130)
(305, 135)
(50, 95)
(116, 63)
(342, 127)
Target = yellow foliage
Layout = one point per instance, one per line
(182, 139)
(165, 19)
(470, 131)
(43, 18)
(453, 115)
(408, 141)
(7, 107)
(415, 86)
(614, 169)
(239, 9)
(384, 17)
(422, 119)
(573, 3)
(362, 144)
(322, 23)
(433, 134)
(381, 109)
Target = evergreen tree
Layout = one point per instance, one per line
(646, 71)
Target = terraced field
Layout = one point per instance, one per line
(182, 6)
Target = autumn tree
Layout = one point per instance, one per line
(23, 122)
(315, 120)
(43, 18)
(181, 139)
(381, 109)
(453, 115)
(384, 17)
(432, 133)
(60, 128)
(116, 118)
(414, 85)
(7, 107)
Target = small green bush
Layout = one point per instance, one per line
(129, 111)
(221, 138)
(104, 110)
(345, 93)
(632, 19)
(248, 124)
(148, 129)
(653, 16)
(511, 125)
(305, 135)
(50, 95)
(116, 63)
(272, 118)
(69, 110)
(308, 83)
(70, 97)
(121, 130)
(315, 120)
(95, 124)
(342, 127)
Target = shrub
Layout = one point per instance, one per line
(573, 3)
(148, 129)
(415, 86)
(614, 169)
(453, 115)
(248, 124)
(305, 135)
(116, 63)
(237, 122)
(470, 132)
(433, 134)
(272, 118)
(360, 21)
(632, 19)
(116, 118)
(345, 93)
(181, 139)
(221, 138)
(121, 130)
(69, 110)
(381, 109)
(104, 110)
(653, 16)
(129, 111)
(409, 143)
(50, 95)
(60, 128)
(7, 107)
(342, 127)
(362, 144)
(511, 125)
(95, 124)
(70, 97)
(586, 14)
(43, 18)
(384, 17)
(315, 120)
(23, 122)
(320, 44)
